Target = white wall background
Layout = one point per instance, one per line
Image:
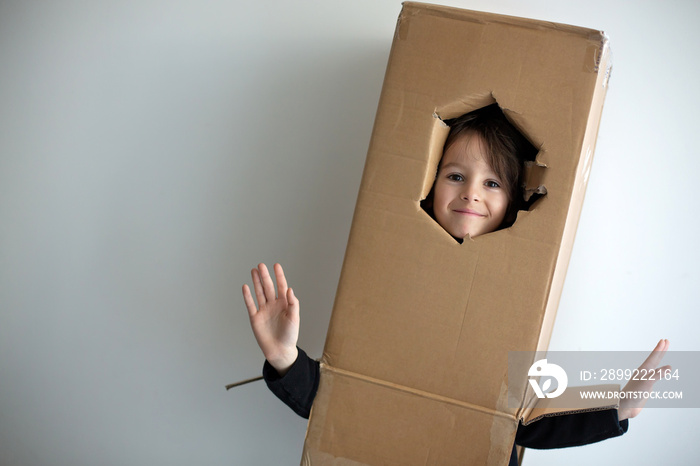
(152, 152)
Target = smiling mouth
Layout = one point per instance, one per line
(469, 212)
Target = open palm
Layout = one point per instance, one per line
(275, 320)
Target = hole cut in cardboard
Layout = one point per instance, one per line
(512, 157)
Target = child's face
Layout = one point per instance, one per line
(469, 199)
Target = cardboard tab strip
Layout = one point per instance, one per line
(421, 393)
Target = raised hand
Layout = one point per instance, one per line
(275, 320)
(631, 407)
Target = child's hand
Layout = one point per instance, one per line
(275, 321)
(629, 408)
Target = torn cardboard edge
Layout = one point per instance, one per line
(534, 169)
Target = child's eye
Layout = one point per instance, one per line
(455, 177)
(492, 184)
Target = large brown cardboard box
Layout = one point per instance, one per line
(415, 365)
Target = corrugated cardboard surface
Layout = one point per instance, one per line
(387, 417)
(415, 364)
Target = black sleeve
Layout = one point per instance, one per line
(571, 430)
(297, 388)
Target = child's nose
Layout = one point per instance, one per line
(471, 192)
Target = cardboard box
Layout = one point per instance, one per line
(415, 365)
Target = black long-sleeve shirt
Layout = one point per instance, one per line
(297, 389)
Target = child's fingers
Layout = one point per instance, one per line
(662, 345)
(281, 281)
(656, 355)
(293, 303)
(259, 293)
(267, 285)
(662, 371)
(249, 303)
